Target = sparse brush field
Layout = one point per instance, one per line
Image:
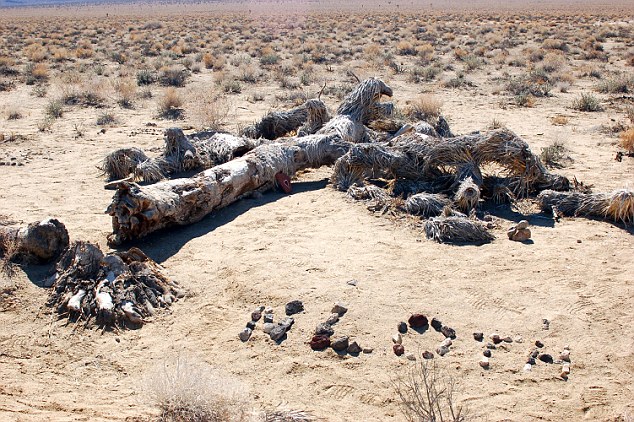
(73, 89)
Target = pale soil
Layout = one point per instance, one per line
(578, 274)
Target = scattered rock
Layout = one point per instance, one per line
(340, 344)
(428, 355)
(367, 350)
(545, 324)
(398, 349)
(448, 332)
(442, 350)
(339, 309)
(484, 363)
(410, 356)
(352, 282)
(531, 361)
(487, 353)
(495, 338)
(287, 323)
(319, 342)
(268, 317)
(478, 336)
(539, 344)
(507, 339)
(277, 333)
(251, 325)
(332, 319)
(268, 310)
(436, 324)
(519, 339)
(397, 338)
(534, 353)
(565, 355)
(565, 370)
(245, 334)
(402, 327)
(355, 349)
(545, 357)
(519, 232)
(528, 367)
(522, 225)
(294, 307)
(418, 321)
(491, 346)
(267, 327)
(324, 329)
(256, 315)
(446, 342)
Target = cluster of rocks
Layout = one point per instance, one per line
(276, 331)
(537, 354)
(420, 323)
(519, 232)
(321, 340)
(493, 344)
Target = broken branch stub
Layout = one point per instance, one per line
(40, 242)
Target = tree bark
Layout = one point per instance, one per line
(41, 241)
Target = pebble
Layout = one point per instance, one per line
(324, 329)
(339, 309)
(565, 370)
(410, 356)
(319, 342)
(428, 355)
(340, 344)
(294, 307)
(539, 344)
(534, 353)
(397, 338)
(402, 327)
(398, 349)
(352, 282)
(267, 327)
(277, 332)
(436, 324)
(448, 332)
(245, 334)
(491, 346)
(268, 310)
(522, 225)
(487, 353)
(332, 319)
(268, 318)
(565, 355)
(495, 338)
(519, 339)
(256, 315)
(478, 336)
(545, 357)
(355, 349)
(442, 350)
(446, 342)
(367, 350)
(507, 340)
(251, 325)
(287, 323)
(545, 324)
(418, 321)
(484, 363)
(528, 367)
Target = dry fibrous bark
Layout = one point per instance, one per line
(116, 289)
(455, 229)
(39, 242)
(617, 206)
(306, 119)
(139, 210)
(427, 204)
(358, 109)
(180, 153)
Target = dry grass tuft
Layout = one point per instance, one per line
(627, 140)
(426, 107)
(169, 105)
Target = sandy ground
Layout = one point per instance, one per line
(577, 273)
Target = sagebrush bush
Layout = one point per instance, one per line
(587, 102)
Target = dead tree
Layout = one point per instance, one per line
(139, 210)
(39, 242)
(305, 119)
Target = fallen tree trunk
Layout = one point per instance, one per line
(137, 211)
(306, 119)
(617, 206)
(40, 242)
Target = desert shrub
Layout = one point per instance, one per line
(456, 82)
(54, 109)
(186, 391)
(125, 90)
(6, 66)
(626, 140)
(169, 105)
(36, 72)
(145, 77)
(172, 76)
(269, 59)
(232, 87)
(405, 48)
(472, 62)
(118, 57)
(426, 393)
(555, 155)
(524, 99)
(553, 44)
(587, 102)
(14, 114)
(621, 84)
(105, 119)
(35, 52)
(533, 83)
(209, 110)
(425, 107)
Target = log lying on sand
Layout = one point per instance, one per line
(117, 289)
(457, 230)
(617, 206)
(139, 210)
(181, 153)
(306, 119)
(39, 242)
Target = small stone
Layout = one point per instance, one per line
(495, 338)
(332, 319)
(397, 338)
(528, 367)
(522, 225)
(262, 308)
(418, 321)
(294, 307)
(410, 356)
(448, 332)
(287, 323)
(531, 361)
(442, 350)
(428, 355)
(545, 324)
(539, 344)
(324, 329)
(491, 346)
(267, 327)
(245, 334)
(507, 340)
(487, 353)
(446, 342)
(522, 235)
(436, 324)
(534, 353)
(398, 349)
(355, 349)
(277, 332)
(478, 336)
(256, 315)
(268, 318)
(367, 350)
(352, 282)
(487, 217)
(565, 370)
(402, 327)
(340, 344)
(565, 355)
(268, 310)
(339, 309)
(484, 363)
(519, 339)
(545, 357)
(251, 325)
(319, 342)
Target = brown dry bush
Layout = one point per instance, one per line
(425, 107)
(627, 140)
(169, 105)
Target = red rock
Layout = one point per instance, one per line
(418, 321)
(319, 342)
(398, 349)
